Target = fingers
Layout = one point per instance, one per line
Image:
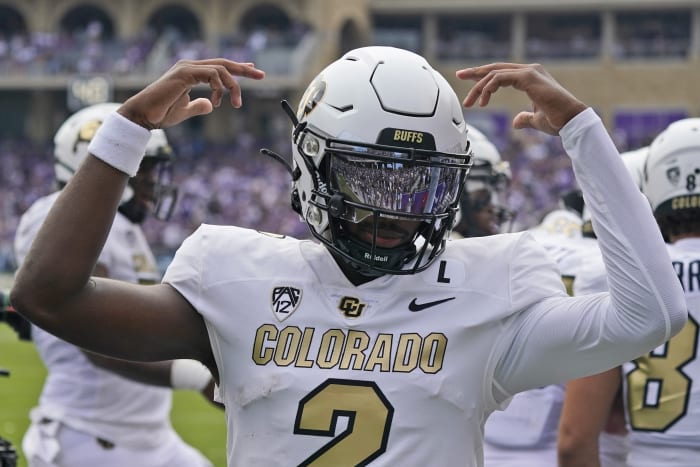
(199, 106)
(219, 75)
(232, 69)
(490, 82)
(534, 120)
(246, 70)
(497, 75)
(166, 101)
(523, 120)
(479, 72)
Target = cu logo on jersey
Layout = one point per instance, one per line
(351, 307)
(285, 300)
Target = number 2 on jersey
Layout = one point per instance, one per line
(657, 389)
(369, 416)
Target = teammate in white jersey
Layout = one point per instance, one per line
(482, 206)
(94, 410)
(378, 342)
(662, 405)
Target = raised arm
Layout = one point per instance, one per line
(562, 338)
(53, 287)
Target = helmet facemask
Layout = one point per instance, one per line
(150, 192)
(376, 185)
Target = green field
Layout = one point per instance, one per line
(199, 423)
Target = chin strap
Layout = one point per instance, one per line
(385, 258)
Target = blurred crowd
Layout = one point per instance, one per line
(217, 184)
(90, 50)
(234, 184)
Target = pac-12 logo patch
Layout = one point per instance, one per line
(285, 300)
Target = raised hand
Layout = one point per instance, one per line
(552, 105)
(166, 101)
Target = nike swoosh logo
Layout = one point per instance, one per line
(413, 306)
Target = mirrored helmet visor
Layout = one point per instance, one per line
(393, 181)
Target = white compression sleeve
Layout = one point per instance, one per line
(562, 338)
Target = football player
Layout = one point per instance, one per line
(662, 406)
(95, 410)
(482, 206)
(377, 341)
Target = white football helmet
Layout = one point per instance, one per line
(71, 143)
(73, 137)
(489, 170)
(483, 202)
(379, 134)
(672, 172)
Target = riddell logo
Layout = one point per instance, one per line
(322, 187)
(380, 259)
(407, 136)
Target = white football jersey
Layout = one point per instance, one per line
(343, 374)
(406, 368)
(662, 387)
(662, 403)
(78, 393)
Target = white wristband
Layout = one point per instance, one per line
(120, 143)
(189, 374)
